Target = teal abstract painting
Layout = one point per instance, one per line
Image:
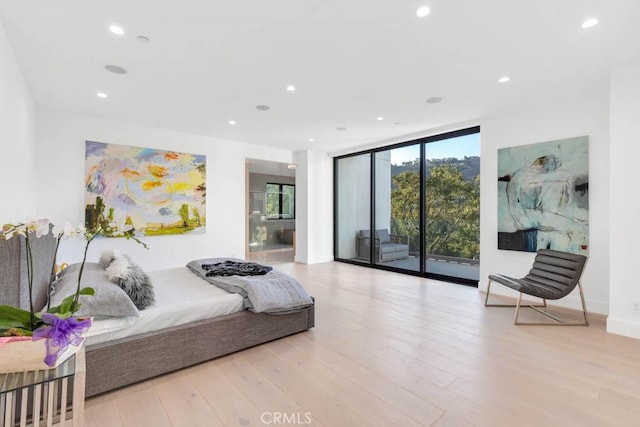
(543, 196)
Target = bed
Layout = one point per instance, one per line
(120, 354)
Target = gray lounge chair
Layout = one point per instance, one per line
(553, 276)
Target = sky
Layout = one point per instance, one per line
(468, 145)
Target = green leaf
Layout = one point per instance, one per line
(15, 314)
(64, 307)
(67, 308)
(66, 314)
(8, 324)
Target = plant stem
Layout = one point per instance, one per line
(52, 276)
(32, 317)
(84, 259)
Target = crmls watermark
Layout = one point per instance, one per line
(288, 418)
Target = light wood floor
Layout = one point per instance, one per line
(276, 256)
(391, 349)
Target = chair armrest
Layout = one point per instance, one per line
(363, 246)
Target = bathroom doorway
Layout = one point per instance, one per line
(270, 202)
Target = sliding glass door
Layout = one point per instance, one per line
(413, 207)
(397, 207)
(353, 208)
(452, 207)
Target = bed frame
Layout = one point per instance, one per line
(126, 361)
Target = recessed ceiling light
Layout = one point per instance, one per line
(504, 79)
(311, 139)
(101, 95)
(232, 122)
(116, 29)
(143, 39)
(423, 11)
(590, 23)
(115, 69)
(434, 100)
(379, 118)
(291, 88)
(263, 107)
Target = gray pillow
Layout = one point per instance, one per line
(108, 301)
(121, 270)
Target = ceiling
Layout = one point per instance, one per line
(211, 61)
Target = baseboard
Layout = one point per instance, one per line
(623, 327)
(314, 260)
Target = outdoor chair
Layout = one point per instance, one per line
(553, 276)
(388, 247)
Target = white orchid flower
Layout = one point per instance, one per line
(81, 230)
(38, 226)
(68, 231)
(42, 227)
(72, 231)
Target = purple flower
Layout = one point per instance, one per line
(59, 334)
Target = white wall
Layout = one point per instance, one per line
(624, 317)
(314, 207)
(60, 187)
(17, 139)
(556, 120)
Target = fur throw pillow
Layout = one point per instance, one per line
(119, 268)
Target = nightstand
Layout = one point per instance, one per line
(44, 393)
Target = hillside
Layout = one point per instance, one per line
(469, 166)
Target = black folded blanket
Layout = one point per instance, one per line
(235, 268)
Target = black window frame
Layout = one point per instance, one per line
(280, 193)
(372, 152)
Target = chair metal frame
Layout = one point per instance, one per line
(518, 304)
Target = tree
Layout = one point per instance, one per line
(184, 214)
(196, 215)
(405, 207)
(452, 211)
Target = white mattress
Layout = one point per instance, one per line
(181, 297)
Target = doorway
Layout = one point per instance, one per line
(270, 222)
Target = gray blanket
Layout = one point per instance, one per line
(272, 293)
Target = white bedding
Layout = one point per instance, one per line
(181, 297)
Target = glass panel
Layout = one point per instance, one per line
(273, 201)
(256, 202)
(353, 196)
(288, 201)
(257, 231)
(452, 207)
(397, 203)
